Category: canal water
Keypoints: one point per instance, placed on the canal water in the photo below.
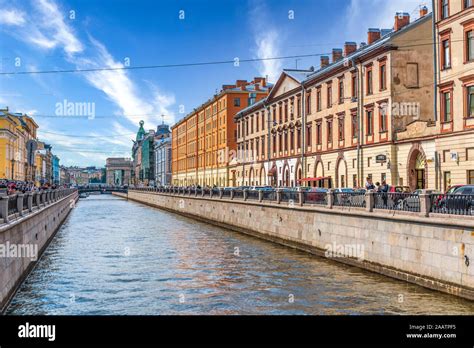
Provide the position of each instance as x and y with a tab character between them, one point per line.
113	256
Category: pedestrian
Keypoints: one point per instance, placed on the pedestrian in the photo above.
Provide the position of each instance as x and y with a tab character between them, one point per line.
368	184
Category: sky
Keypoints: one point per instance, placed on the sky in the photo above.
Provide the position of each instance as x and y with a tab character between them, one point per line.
104	107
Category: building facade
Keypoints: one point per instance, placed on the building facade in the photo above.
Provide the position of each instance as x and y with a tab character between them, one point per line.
16	130
455	92
119	171
204	142
162	148
143	157
56	170
349	120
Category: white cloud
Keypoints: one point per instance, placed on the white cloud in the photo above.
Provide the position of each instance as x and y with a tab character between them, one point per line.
267	41
12	17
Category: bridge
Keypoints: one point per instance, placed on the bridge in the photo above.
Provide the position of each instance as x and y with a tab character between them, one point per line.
102	189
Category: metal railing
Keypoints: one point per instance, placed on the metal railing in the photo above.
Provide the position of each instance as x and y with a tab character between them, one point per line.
20	204
349	199
452	204
423	203
397	201
316	198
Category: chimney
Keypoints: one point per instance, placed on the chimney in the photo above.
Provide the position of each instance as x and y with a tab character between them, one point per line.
225	87
402	19
423	11
241	83
349	47
336	54
260	81
373	35
324	61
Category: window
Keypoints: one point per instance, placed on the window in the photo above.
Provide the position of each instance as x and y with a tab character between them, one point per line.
383	118
447	180
340	130
286	111
329	101
318	100
369	81
370	122
354	125
319	133
280	114
292	140
354	180
444	9
468	3
329	130
383	76
470	46
470	101
308	104
341	91
446	106
470	177
308	135
354	85
446	54
236	101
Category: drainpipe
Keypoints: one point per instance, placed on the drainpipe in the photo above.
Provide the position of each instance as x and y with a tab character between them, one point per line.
435	64
303	132
359	123
269	144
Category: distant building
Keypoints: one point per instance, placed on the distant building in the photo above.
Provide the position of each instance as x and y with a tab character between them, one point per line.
143	157
118	171
162	151
56	170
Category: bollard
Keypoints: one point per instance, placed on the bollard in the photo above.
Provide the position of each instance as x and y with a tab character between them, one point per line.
425	203
300	196
369	201
4	207
232	193
278	194
221	192
29	197
330	195
260	195
19	203
245	194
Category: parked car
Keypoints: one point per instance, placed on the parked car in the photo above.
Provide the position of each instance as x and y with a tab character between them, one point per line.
458	198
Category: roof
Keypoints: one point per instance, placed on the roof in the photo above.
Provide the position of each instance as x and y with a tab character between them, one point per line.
385	39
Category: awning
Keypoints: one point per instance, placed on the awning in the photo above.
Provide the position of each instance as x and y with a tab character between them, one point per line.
314	179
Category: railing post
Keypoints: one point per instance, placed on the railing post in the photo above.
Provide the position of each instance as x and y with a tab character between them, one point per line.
211	193
203	192
38	199
221	192
369	200
300	196
260	195
425	203
29	197
330	195
232	193
245	193
19	203
278	194
4	207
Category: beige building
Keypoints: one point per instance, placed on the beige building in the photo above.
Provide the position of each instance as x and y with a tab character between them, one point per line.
455	58
118	171
350	119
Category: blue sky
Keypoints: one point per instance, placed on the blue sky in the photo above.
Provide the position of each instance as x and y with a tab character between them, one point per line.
43	35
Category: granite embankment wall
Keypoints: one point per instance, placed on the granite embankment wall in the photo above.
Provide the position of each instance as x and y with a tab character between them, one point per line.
24	238
434	252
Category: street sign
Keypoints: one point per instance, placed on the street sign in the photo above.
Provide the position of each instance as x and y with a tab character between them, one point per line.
381	158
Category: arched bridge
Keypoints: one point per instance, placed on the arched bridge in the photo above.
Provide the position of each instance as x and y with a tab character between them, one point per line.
102	189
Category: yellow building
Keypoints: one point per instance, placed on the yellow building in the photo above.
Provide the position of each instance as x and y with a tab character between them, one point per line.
15	132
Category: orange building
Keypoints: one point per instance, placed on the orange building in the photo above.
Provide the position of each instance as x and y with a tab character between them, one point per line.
204	142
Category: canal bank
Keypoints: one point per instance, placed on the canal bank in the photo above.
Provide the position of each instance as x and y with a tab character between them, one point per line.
117	257
433	253
31	225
